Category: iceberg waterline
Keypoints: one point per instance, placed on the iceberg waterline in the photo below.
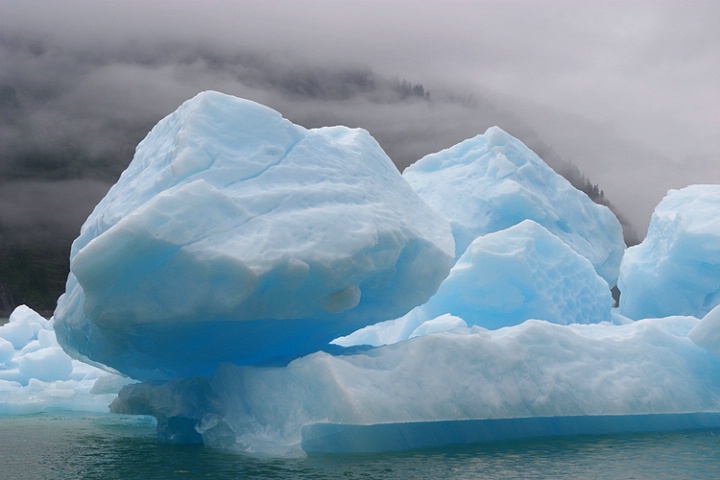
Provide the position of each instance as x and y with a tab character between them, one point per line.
236	240
533	370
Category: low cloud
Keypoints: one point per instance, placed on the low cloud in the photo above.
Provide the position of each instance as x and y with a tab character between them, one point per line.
43	211
625	90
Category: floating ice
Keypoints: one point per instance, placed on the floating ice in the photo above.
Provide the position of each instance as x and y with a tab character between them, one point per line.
236	236
37	375
504	278
676	269
536	370
237	244
493	181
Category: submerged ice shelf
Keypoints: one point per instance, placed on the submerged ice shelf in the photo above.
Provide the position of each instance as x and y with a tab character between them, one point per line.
389	437
472	295
536	369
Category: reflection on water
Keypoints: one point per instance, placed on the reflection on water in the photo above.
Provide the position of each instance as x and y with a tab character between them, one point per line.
72	446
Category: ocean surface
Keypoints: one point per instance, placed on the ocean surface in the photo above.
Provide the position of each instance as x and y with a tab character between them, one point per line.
91	446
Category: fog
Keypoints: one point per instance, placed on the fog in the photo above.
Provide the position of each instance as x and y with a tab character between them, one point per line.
627	91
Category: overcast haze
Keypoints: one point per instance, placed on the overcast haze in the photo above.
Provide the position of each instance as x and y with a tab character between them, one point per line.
627	91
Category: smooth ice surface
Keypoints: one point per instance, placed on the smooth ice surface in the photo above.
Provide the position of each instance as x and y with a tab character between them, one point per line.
504	278
384	437
535	369
37	375
676	269
493	181
237	236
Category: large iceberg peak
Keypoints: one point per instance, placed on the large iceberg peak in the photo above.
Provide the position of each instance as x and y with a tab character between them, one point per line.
237	236
211	137
493	181
676	269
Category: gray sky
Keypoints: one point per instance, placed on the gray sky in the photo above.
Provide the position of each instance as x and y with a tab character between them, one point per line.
627	90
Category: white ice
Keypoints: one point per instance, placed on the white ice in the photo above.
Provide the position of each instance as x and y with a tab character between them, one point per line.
532	370
676	269
503	279
36	375
237	245
493	181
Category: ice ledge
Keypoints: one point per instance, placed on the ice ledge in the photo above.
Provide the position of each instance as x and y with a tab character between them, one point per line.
387	437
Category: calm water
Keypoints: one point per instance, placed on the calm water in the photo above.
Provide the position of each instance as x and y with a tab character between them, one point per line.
78	446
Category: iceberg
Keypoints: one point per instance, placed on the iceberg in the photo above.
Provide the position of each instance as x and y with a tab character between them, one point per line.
237	246
237	236
36	375
536	378
493	181
676	269
503	279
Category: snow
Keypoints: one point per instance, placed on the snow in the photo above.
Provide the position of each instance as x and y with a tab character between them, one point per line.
237	245
493	181
36	375
503	279
237	236
676	269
